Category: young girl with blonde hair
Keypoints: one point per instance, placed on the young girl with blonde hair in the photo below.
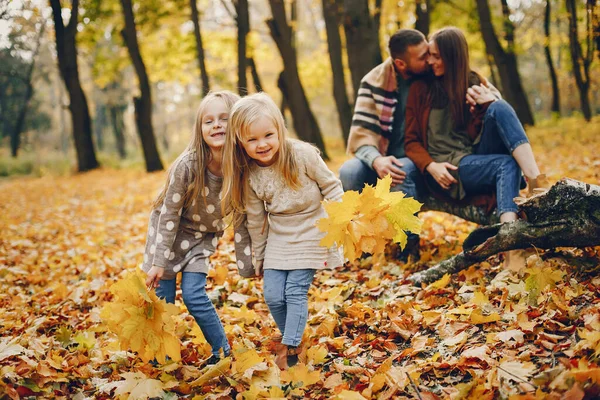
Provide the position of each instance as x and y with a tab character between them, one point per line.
186	221
278	185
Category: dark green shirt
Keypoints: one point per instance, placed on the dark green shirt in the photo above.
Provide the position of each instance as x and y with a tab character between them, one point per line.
445	144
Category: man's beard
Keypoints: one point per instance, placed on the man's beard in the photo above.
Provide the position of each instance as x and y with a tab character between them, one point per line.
425	73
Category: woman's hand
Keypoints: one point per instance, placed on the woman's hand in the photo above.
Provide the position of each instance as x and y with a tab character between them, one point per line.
258	267
154	276
440	173
479	94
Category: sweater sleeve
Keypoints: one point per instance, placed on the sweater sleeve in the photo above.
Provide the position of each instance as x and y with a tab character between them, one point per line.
476	121
243	251
317	170
367	154
258	226
170	214
414	145
365	128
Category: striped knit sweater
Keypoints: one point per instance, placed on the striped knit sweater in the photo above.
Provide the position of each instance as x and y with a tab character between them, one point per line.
374	109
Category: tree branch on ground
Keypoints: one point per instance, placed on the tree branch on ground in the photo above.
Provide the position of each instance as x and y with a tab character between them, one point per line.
568	215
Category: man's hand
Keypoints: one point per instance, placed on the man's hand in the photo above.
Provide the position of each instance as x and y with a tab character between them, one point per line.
479	94
154	276
389	165
258	267
440	173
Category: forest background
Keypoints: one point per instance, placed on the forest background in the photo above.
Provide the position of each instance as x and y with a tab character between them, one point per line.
112	90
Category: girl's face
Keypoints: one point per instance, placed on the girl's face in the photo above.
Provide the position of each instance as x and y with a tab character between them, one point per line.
214	123
435	60
261	142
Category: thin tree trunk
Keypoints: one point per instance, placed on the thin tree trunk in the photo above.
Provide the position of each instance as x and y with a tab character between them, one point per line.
493	74
99	124
116	118
423	16
582	78
506	61
15	138
362	40
555	94
67	63
305	124
592	4
254	74
331	13
143	104
199	48
243	25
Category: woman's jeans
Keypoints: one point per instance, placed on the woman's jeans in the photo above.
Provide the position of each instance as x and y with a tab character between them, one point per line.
286	295
193	288
491	166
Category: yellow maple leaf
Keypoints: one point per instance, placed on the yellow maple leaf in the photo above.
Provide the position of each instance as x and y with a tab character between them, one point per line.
142	322
317	354
440	283
365	222
219	274
477	317
300	376
245	359
541	278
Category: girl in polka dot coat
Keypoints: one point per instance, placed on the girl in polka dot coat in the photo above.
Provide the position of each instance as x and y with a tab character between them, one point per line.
186	221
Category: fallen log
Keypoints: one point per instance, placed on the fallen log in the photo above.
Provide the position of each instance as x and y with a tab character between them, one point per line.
568	215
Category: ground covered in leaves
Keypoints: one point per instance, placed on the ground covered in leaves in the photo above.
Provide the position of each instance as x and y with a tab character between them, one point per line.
483	333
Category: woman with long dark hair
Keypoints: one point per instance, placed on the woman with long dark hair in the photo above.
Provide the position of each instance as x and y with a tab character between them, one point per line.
464	139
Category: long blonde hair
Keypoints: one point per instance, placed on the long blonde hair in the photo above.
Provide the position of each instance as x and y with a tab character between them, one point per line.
199	146
236	162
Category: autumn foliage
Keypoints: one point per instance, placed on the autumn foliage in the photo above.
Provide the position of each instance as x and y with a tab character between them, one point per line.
481	334
366	222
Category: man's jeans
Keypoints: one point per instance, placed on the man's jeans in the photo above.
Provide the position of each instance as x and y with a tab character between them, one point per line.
354	174
286	295
193	288
491	166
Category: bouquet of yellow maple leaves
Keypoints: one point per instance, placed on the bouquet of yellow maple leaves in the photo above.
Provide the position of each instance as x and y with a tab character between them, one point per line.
142	321
365	222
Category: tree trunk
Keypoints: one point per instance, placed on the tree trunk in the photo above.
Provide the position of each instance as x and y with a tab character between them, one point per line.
568	215
254	74
555	94
423	16
507	63
15	138
99	124
582	78
67	64
331	13
493	77
362	40
243	25
305	124
116	119
199	48
143	104
595	24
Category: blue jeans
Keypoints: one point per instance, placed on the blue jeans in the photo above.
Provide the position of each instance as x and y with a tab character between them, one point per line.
354	174
286	295
491	167
193	288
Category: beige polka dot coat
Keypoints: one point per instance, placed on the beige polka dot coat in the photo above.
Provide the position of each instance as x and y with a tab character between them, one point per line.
183	238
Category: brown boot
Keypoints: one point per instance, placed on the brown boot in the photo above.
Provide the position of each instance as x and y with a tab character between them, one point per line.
537	185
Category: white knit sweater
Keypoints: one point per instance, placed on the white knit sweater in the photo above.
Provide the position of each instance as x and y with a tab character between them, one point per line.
281	220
